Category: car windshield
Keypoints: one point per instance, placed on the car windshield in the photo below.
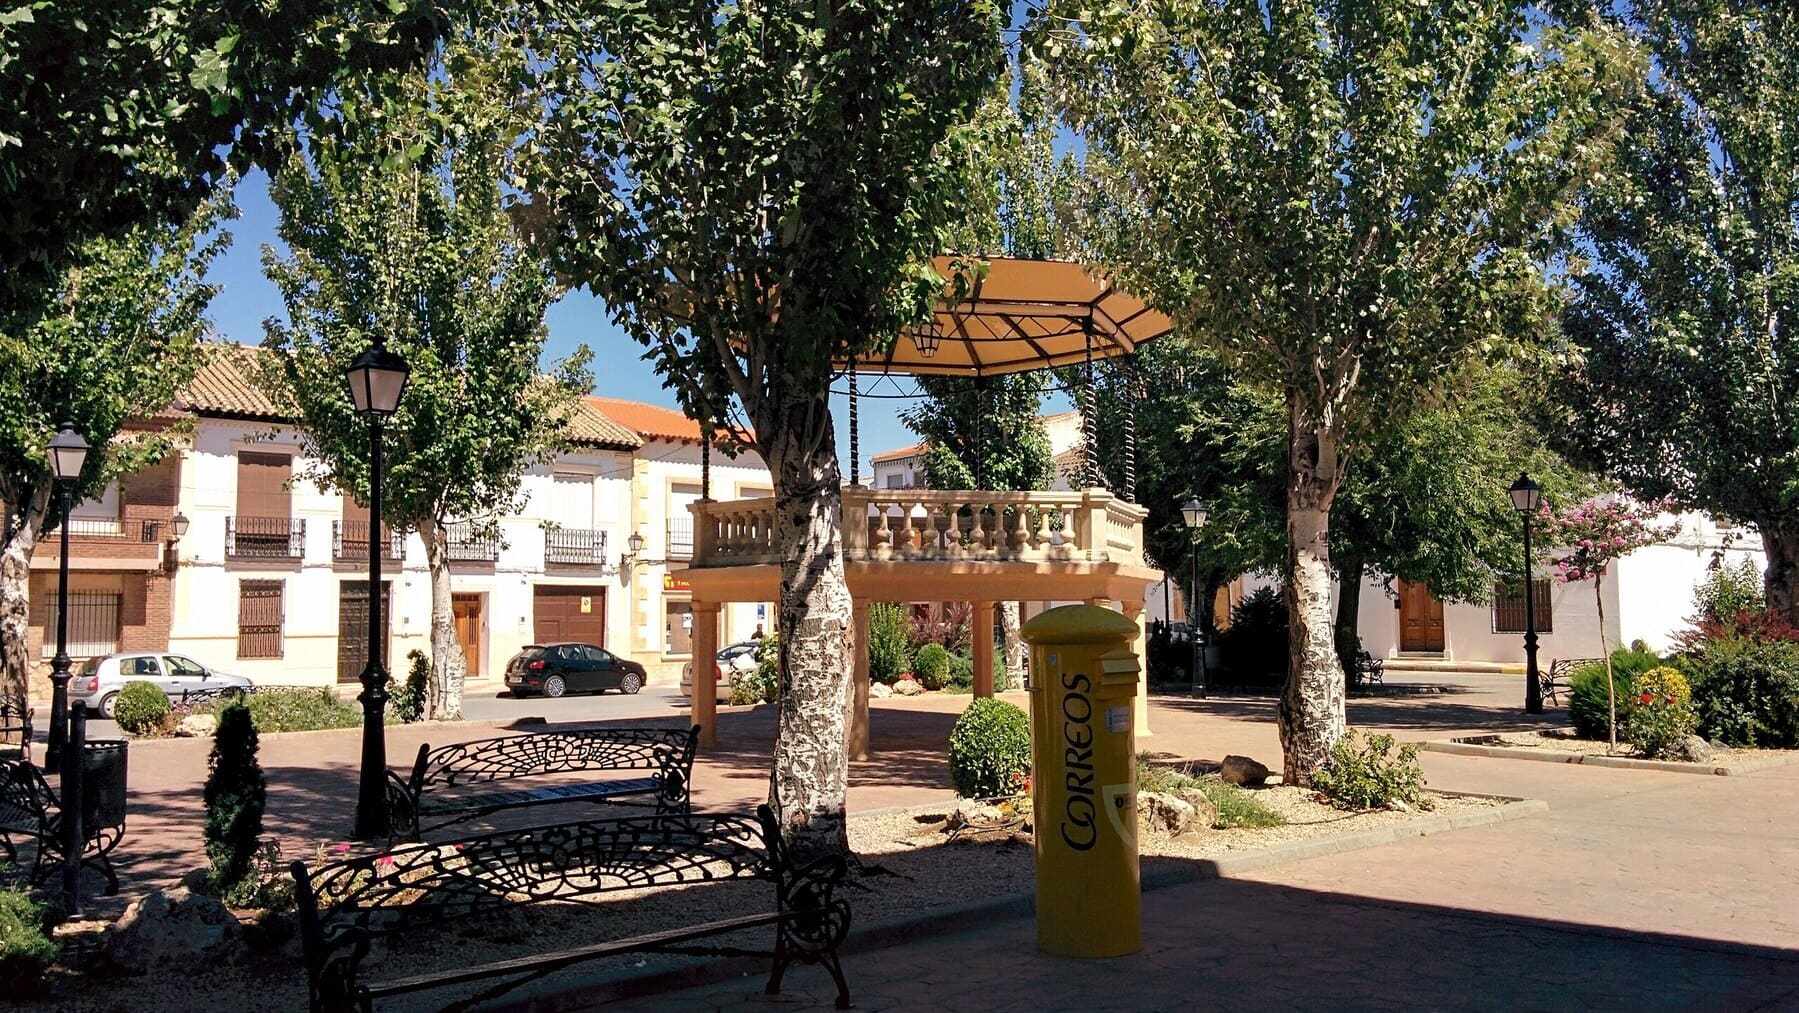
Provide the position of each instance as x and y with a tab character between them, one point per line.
90	666
184	666
531	653
735	651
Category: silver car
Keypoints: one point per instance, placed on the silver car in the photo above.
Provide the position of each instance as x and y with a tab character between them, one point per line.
734	659
98	681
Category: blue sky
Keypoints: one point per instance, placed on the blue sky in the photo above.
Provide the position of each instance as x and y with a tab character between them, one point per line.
247	298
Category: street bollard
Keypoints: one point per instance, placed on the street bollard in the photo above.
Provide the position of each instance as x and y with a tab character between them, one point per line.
1084	786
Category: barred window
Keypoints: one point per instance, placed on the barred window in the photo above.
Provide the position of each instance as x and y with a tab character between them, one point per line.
1508	607
259	615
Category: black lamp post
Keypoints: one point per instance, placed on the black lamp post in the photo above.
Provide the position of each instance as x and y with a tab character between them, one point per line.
68	454
1193	512
376	378
1526	495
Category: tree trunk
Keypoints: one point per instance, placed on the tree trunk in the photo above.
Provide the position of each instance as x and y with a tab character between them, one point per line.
1349	605
1781	581
443	693
1311	718
1611	688
809	782
15	598
1014	644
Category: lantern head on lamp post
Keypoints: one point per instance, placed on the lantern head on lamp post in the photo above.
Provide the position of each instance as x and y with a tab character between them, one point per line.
68	455
376	379
1193	514
1526	497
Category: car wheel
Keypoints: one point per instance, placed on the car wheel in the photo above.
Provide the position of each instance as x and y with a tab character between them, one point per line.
631	683
106	705
554	686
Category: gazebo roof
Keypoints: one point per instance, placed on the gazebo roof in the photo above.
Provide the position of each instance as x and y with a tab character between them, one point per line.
1022	315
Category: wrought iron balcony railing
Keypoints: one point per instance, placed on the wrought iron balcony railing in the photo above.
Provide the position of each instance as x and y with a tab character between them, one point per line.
265	537
350	541
472	544
574	547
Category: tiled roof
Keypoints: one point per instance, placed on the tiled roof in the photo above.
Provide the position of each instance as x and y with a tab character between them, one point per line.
593	427
1070	462
652	422
900	454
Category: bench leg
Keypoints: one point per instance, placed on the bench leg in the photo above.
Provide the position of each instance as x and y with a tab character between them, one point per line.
843	987
780	969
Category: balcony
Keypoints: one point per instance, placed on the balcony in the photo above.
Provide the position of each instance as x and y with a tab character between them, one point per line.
472	544
97	543
278	538
350	542
680	537
575	547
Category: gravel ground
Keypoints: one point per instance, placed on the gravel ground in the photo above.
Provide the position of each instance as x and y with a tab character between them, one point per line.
910	865
1565	742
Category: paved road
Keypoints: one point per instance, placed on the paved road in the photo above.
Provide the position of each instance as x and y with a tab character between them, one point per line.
485	703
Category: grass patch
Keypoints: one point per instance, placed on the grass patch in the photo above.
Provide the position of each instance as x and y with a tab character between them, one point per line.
1237	809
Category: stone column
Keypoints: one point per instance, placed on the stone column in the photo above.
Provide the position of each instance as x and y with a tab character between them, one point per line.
859	689
983	647
1133	610
705	658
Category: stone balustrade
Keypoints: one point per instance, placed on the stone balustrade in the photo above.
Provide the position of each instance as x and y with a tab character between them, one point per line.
937	525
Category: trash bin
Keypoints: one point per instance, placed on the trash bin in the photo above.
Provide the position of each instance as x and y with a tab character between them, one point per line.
103	785
1084	678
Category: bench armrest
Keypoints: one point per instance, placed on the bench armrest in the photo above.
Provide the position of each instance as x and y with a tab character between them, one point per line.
402	808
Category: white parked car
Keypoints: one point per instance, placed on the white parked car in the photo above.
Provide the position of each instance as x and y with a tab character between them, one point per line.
738	657
98	681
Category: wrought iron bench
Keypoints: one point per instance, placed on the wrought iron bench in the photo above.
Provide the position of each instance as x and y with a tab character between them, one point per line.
16	720
429	798
1550	684
346	906
29	808
1368	671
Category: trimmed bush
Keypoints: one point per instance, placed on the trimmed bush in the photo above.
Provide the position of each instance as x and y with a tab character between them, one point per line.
1746	691
961	674
1254	647
889	642
1360	776
931	666
141	708
235	797
989	749
1661	713
26	952
301	709
408	699
1587	703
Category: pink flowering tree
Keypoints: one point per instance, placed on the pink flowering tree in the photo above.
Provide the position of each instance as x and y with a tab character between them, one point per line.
1590	536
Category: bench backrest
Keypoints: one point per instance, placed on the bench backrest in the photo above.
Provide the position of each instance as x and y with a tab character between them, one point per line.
499	759
350	902
25	797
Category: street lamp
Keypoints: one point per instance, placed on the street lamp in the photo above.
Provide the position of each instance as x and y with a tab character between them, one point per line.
376	379
1526	495
68	454
1193	512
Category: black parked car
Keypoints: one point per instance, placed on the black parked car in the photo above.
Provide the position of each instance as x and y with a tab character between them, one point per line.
556	669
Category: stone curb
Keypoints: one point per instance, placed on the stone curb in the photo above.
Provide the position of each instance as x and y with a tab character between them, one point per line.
1747	766
613	986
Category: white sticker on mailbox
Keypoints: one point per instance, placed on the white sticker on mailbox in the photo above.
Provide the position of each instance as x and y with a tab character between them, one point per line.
1118	719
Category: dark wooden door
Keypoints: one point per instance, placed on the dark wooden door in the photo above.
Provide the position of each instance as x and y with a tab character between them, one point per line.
1420	619
353	626
467	610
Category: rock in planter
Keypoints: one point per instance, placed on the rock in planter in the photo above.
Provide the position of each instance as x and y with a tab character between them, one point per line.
1205	811
1164	814
972	815
906	687
1698	750
197	726
880	691
1242	770
173	929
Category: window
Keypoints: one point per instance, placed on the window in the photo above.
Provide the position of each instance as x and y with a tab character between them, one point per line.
140	668
259	618
183	668
93	624
1508	607
678	624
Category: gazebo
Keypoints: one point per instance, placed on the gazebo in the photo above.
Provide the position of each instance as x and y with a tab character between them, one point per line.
933	545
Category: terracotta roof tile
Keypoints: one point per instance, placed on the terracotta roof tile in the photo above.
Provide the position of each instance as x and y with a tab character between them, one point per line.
647	420
898	455
594	428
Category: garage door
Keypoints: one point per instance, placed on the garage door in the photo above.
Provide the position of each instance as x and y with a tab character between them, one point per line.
570	613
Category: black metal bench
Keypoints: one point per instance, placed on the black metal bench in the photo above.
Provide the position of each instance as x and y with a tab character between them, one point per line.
30	809
1550	684
431	792
16	720
1368	670
346	906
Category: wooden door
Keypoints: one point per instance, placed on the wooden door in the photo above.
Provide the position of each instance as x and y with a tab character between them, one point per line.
569	614
467	610
1420	619
353	626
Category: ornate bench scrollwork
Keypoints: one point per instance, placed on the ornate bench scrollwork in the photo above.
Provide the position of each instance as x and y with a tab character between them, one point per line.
29	808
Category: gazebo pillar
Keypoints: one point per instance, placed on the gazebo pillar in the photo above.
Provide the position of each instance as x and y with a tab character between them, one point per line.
859	687
983	647
705	661
1133	610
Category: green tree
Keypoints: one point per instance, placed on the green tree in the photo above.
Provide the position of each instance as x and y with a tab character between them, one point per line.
118	116
1687	322
1345	202
757	190
398	230
117	345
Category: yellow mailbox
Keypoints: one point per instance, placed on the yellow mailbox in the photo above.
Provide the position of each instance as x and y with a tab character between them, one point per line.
1083	784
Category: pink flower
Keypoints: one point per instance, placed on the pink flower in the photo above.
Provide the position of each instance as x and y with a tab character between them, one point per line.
1586	543
385	861
340	849
1618	543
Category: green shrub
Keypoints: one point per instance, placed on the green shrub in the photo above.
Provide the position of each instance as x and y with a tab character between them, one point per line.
235	798
26	951
1587	702
300	709
1360	776
889	642
141	708
1661	713
989	749
1255	644
408	699
931	666
1746	691
1729	591
961	674
1236	807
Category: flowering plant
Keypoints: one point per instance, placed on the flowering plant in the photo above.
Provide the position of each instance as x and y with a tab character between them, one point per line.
1661	720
